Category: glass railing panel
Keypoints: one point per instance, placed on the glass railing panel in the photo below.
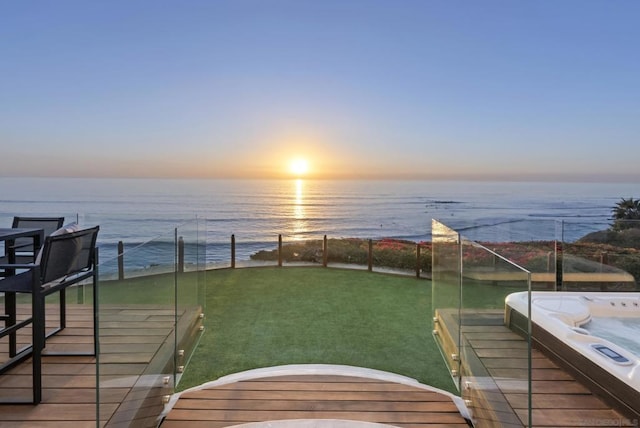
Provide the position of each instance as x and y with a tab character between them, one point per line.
536	256
129	230
495	369
604	260
190	292
134	243
504	229
136	366
530	243
446	283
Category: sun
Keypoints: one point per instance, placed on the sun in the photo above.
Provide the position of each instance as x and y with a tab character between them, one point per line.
299	167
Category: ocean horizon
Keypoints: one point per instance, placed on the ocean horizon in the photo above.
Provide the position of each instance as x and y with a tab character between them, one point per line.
136	211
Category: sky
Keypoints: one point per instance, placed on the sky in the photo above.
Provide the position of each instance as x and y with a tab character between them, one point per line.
398	89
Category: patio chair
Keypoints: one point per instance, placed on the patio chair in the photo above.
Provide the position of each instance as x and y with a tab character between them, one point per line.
23	247
66	259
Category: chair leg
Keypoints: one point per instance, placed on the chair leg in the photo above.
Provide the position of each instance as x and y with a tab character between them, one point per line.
63	308
38	345
94	283
10	312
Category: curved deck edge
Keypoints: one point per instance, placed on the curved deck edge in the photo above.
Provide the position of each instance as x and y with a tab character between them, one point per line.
318	369
313	423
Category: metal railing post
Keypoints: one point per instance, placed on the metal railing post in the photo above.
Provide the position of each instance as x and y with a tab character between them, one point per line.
181	254
325	252
120	260
233	251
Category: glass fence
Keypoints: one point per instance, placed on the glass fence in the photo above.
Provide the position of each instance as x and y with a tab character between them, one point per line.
606	260
489	363
150	318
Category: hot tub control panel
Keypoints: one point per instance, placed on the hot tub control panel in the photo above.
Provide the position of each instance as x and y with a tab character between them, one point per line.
611	354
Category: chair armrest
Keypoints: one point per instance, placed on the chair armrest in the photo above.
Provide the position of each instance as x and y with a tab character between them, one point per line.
18	246
17	265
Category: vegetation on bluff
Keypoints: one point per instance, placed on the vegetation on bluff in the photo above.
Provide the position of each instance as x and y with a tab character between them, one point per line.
614	249
386	253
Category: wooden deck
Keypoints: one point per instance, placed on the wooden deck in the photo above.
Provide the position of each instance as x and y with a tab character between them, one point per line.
317	397
136	343
495	371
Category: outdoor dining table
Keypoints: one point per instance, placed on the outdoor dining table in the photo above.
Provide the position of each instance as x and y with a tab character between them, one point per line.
8	236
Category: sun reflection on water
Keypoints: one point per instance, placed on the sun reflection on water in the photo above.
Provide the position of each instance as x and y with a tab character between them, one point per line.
299	225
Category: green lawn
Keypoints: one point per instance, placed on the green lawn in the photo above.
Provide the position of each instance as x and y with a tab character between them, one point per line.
263	317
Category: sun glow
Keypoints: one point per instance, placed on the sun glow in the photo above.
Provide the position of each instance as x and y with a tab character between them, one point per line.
299	167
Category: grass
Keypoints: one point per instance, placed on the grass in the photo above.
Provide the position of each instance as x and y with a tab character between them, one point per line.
264	317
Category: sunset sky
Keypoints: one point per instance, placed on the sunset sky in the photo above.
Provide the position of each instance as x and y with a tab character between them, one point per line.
540	90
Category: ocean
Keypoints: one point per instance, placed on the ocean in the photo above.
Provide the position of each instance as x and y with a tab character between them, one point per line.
257	211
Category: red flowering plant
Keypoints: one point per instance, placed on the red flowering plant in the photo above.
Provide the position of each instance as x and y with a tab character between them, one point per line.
401	254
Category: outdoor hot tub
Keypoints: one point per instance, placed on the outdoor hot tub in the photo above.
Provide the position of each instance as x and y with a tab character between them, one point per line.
593	335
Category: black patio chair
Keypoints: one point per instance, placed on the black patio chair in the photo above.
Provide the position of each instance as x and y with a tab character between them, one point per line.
23	247
67	259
